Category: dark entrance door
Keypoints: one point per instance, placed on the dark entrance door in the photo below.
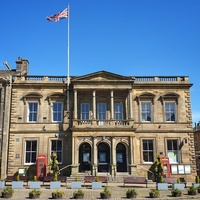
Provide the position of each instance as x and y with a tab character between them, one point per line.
103	157
121	158
85	157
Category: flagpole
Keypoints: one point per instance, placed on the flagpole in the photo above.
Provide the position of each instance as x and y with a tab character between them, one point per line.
68	61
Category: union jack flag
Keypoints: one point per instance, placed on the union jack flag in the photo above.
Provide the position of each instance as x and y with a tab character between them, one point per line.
61	15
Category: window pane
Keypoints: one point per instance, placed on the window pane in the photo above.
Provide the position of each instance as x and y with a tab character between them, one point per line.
101	109
85	109
32	111
170	111
56	146
57	111
31	151
118	111
148	151
146	111
172	148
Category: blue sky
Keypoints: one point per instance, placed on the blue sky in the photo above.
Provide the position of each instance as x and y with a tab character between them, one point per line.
129	37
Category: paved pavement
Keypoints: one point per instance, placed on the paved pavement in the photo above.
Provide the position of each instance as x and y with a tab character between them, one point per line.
118	191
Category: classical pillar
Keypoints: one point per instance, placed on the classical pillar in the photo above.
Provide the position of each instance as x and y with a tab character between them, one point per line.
94	103
130	105
94	157
133	167
75	164
75	104
112	104
113	157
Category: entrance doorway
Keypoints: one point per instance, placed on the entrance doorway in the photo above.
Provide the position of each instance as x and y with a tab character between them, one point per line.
103	157
121	158
85	157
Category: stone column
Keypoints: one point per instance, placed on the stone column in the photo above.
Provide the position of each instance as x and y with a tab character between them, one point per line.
75	104
112	104
75	154
130	105
94	156
94	104
113	157
133	167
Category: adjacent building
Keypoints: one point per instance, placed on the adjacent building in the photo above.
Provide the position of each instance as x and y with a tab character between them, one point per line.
101	123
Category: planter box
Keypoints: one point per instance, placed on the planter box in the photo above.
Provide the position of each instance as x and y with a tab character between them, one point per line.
76	185
196	185
2	184
54	184
17	184
35	185
162	186
96	185
179	186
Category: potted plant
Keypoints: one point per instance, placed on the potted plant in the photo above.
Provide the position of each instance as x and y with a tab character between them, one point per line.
131	193
58	194
198	189
192	190
76	184
161	185
178	185
106	194
154	193
7	192
54	168
17	184
96	184
79	194
2	183
35	184
35	194
176	192
197	182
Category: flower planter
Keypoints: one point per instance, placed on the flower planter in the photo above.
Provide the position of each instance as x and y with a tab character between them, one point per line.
76	185
105	196
54	184
130	196
35	185
174	194
17	184
179	186
78	197
196	185
6	195
56	196
162	186
192	192
96	185
2	184
32	196
152	195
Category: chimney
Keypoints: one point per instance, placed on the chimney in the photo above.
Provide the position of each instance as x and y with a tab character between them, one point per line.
22	66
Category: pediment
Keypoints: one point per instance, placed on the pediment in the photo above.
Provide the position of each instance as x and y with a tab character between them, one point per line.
101	76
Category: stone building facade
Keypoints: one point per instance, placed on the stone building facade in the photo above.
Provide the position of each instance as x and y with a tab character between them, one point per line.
103	123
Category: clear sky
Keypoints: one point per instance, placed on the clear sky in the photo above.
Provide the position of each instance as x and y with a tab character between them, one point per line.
129	37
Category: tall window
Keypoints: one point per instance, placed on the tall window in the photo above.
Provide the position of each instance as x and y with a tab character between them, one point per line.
101	111
118	111
57	111
170	111
146	111
172	150
85	109
31	151
32	111
148	151
56	146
